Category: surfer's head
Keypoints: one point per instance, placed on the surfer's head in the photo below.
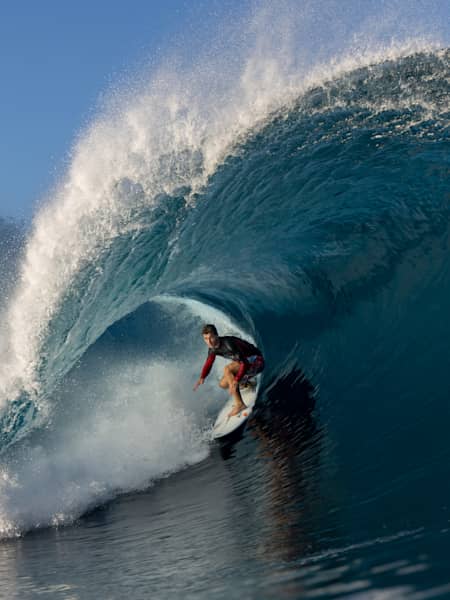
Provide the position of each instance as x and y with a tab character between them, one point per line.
210	335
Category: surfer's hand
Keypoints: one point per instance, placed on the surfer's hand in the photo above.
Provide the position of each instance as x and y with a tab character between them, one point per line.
199	382
233	386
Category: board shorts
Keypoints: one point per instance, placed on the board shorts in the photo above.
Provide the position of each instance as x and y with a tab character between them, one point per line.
256	365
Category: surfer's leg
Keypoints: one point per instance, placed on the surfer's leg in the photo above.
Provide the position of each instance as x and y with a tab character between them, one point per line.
223	383
228	378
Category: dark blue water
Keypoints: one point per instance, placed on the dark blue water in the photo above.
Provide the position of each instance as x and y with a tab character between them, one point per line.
324	236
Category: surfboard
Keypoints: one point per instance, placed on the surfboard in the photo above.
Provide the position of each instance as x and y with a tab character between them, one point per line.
224	424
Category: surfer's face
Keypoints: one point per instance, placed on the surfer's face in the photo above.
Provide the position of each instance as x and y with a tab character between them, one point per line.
211	340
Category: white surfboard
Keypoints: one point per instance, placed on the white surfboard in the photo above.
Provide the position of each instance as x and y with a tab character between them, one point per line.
225	424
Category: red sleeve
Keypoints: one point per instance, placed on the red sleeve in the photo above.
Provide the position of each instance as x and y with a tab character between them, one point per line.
207	366
243	367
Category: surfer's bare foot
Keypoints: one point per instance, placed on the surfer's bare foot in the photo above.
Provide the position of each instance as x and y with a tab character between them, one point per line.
237	409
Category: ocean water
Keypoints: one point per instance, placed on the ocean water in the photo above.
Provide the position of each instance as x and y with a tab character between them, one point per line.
308	210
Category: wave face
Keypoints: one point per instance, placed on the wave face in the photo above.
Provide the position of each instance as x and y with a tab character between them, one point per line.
315	224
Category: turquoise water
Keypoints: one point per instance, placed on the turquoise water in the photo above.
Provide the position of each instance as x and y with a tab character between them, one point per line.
322	234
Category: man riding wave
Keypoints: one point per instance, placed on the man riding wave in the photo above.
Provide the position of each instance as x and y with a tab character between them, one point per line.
247	361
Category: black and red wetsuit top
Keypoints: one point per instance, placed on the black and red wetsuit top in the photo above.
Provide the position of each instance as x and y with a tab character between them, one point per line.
235	349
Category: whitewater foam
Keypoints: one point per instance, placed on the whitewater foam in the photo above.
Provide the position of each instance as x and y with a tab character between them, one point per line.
135	423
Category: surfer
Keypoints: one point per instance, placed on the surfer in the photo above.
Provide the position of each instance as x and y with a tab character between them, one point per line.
247	361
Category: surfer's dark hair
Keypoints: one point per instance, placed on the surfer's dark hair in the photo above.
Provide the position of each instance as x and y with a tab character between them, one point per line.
209	329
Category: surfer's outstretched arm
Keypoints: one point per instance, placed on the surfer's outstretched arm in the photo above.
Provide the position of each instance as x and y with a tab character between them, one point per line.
199	382
206	369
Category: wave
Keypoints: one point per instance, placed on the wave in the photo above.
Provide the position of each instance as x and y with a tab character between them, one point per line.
311	217
12	239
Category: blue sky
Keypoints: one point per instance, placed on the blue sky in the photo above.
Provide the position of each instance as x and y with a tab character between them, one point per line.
56	59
